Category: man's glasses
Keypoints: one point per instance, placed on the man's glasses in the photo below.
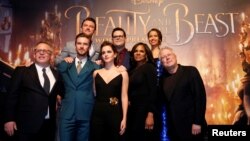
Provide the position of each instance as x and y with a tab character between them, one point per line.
118	36
43	51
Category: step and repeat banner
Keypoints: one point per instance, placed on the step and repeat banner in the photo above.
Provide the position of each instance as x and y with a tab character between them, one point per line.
209	34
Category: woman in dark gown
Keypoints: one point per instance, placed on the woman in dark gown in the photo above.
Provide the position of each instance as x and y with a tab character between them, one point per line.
142	96
155	40
109	115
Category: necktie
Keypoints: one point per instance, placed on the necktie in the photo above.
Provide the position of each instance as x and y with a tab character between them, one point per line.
79	66
46	85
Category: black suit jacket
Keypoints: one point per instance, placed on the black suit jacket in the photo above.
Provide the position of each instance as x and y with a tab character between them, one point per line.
26	102
186	101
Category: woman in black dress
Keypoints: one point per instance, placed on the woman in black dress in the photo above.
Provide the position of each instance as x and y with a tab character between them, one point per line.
142	96
109	115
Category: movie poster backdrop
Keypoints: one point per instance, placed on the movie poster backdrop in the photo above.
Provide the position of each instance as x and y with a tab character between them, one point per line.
208	34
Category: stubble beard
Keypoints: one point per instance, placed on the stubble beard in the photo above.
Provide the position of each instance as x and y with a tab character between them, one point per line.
82	54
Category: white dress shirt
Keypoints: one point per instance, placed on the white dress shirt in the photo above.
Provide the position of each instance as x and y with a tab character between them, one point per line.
51	77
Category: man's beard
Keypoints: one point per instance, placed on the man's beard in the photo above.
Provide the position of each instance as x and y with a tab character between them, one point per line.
119	47
83	54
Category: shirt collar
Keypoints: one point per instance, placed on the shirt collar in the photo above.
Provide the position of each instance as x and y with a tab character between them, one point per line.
84	60
39	68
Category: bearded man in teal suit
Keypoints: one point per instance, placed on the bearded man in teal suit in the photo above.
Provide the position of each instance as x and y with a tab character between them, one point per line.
77	103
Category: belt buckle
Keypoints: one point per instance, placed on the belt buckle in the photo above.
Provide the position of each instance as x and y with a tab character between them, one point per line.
113	101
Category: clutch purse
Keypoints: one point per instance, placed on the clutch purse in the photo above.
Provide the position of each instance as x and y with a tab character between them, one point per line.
113	101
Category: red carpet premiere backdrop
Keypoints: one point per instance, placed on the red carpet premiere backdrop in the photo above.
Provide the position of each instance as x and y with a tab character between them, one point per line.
208	34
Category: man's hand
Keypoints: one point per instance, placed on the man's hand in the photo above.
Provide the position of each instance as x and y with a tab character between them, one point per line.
99	62
196	129
58	102
10	127
121	68
68	59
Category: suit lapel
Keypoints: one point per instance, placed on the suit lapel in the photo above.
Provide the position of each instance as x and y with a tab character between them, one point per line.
76	79
84	72
55	74
178	74
85	68
34	75
72	72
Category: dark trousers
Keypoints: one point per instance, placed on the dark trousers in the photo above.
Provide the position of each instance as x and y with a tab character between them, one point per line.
46	133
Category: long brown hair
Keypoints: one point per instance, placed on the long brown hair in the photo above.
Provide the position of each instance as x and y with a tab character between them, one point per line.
107	43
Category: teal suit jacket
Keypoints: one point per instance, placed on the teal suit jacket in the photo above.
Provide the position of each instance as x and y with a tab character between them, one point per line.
78	99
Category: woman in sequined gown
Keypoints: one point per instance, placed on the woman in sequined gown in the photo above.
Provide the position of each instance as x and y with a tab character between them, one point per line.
109	115
155	39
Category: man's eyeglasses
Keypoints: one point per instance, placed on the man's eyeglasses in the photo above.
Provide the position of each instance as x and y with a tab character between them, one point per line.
118	36
43	51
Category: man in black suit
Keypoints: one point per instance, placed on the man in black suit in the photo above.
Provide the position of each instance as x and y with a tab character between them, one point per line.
185	97
30	102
